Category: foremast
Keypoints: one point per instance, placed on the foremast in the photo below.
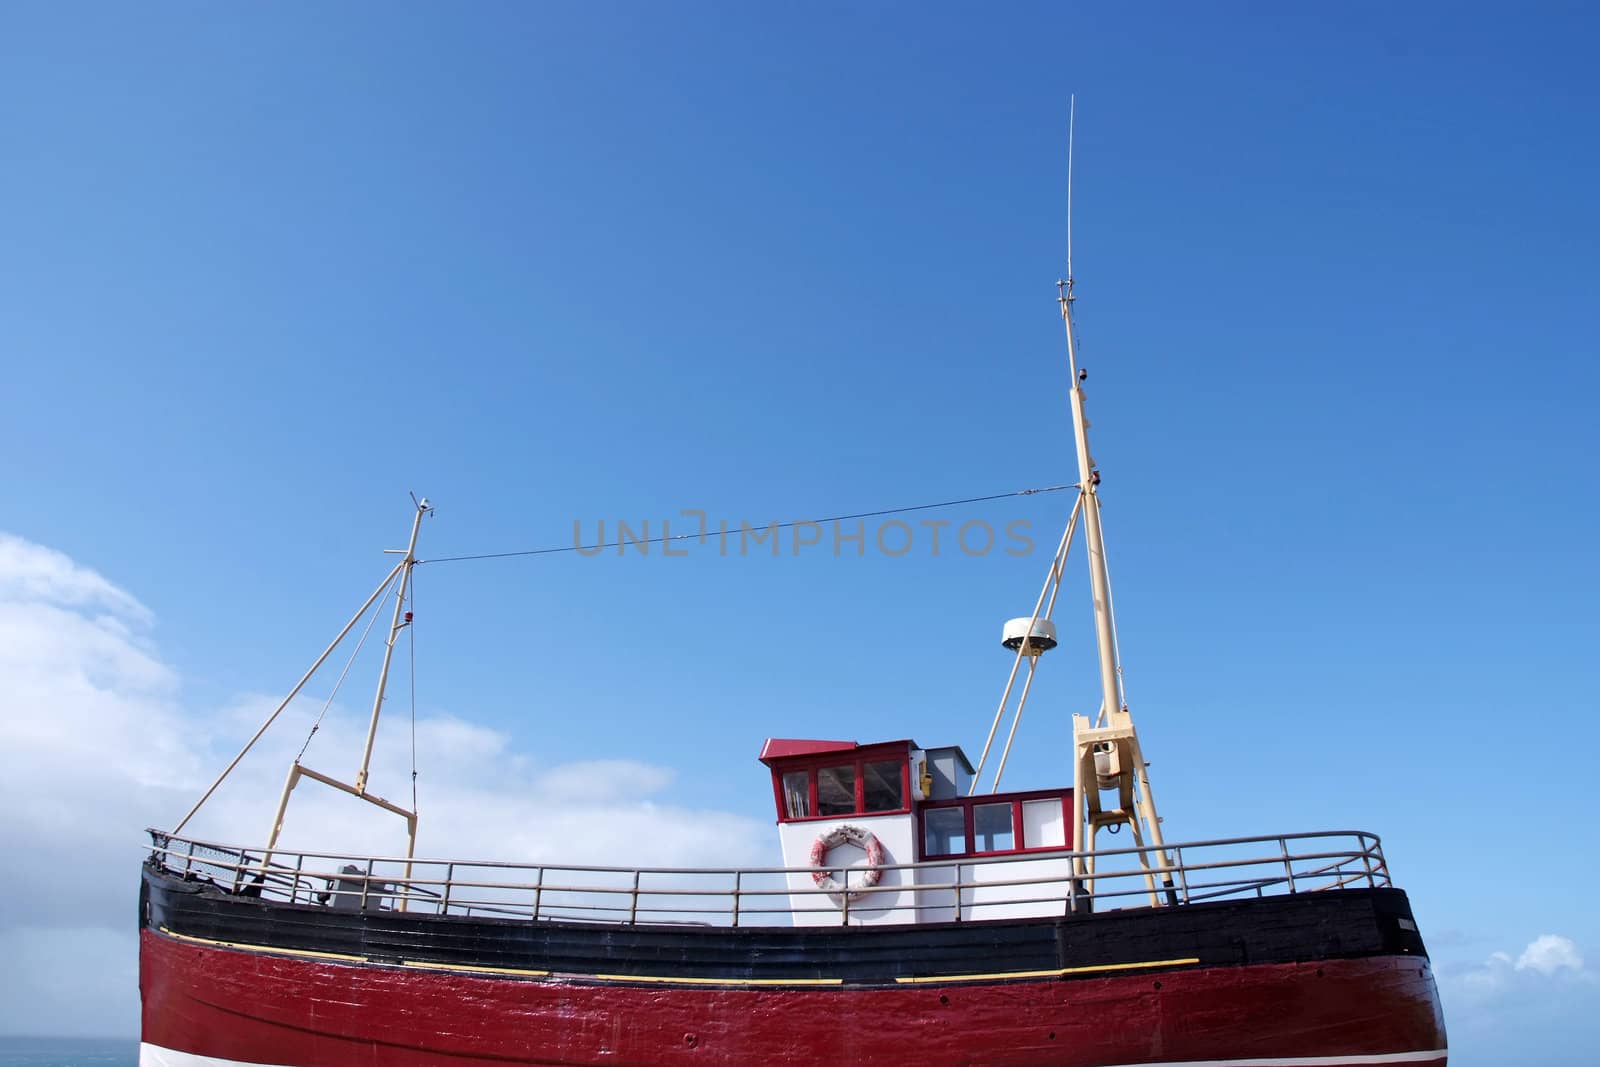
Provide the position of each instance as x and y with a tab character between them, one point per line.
396	583
401	620
1106	752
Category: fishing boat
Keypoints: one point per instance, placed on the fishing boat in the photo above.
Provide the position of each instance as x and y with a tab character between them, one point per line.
917	919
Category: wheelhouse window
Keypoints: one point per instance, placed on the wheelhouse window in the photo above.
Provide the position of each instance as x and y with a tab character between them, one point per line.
944	832
836	790
797	794
991	828
883	787
833	787
996	825
1044	824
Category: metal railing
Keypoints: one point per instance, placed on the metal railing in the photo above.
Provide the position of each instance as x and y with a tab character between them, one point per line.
1034	883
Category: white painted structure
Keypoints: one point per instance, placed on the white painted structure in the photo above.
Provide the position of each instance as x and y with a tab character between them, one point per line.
912	802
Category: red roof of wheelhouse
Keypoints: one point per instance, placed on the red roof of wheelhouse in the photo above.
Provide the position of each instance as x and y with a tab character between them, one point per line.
777	748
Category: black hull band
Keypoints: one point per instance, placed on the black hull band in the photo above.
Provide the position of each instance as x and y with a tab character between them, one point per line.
1298	928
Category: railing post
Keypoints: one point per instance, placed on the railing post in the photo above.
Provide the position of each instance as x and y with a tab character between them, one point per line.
294	886
1288	865
449	877
366	883
737	875
238	872
538	891
958	892
633	907
188	863
1183	872
1366	860
844	898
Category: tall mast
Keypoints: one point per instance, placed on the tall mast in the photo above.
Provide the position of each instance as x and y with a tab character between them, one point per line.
1106	752
400	620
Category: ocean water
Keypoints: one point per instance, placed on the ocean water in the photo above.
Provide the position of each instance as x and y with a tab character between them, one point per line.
67	1052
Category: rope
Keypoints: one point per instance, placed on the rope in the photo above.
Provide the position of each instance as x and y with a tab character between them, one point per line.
773	525
329	702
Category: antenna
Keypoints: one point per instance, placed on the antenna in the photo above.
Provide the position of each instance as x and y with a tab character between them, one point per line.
1072	121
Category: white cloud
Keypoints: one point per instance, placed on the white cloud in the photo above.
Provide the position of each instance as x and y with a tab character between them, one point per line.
1549	964
1550	953
1491	1007
34	574
608	780
96	744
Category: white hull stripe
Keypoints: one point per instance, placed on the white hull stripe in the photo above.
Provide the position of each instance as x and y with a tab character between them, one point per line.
1436	1056
156	1056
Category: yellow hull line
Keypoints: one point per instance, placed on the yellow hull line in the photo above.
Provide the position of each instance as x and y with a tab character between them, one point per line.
997	976
679	980
476	969
266	948
1056	973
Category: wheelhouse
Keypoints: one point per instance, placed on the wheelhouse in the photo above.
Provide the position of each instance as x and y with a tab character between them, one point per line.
845	808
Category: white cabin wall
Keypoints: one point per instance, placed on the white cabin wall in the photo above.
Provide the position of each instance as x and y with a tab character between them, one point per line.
994	901
897	834
936	905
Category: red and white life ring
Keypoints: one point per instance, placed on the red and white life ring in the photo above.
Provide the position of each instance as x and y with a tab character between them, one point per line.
841	835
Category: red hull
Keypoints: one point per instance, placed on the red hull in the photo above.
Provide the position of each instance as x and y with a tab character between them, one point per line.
263	1008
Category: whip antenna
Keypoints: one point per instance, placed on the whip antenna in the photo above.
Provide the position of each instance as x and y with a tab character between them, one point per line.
1072	119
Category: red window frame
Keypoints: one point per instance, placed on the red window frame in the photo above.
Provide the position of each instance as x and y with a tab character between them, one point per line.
859	758
1016	801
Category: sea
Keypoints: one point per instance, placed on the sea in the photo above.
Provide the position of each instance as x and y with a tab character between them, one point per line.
68	1052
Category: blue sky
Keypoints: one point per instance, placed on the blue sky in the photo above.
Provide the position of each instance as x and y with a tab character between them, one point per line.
262	271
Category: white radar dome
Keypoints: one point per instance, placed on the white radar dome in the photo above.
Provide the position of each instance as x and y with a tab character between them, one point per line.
1041	639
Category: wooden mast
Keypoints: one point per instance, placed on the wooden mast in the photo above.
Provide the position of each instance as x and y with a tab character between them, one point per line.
1107	755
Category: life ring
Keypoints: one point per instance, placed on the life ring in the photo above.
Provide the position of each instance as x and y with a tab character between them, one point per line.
841	835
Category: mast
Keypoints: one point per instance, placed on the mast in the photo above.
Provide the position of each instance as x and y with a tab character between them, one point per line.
297	770
1106	751
400	620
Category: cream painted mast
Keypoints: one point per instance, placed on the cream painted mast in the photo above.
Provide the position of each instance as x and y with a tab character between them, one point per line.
400	620
1106	752
297	770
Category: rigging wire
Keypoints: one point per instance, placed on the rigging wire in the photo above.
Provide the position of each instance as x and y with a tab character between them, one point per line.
1057	567
772	526
1057	562
326	704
